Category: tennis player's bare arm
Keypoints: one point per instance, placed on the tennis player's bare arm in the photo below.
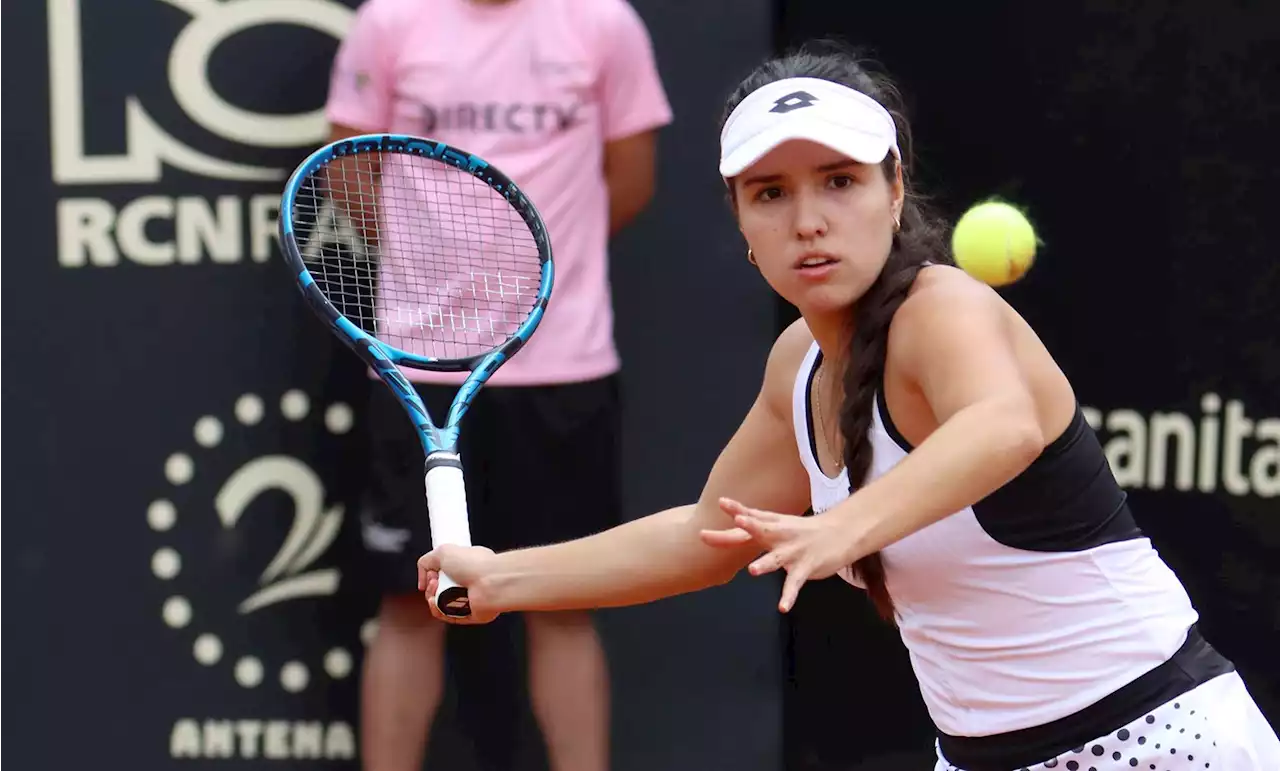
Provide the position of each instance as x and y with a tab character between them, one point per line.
974	390
660	555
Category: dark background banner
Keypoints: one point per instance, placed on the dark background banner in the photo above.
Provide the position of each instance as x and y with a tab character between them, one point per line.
1140	138
185	439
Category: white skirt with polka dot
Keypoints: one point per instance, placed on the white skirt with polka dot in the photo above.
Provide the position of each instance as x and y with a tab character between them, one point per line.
1213	727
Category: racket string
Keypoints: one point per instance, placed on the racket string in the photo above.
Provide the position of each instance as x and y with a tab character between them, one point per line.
422	255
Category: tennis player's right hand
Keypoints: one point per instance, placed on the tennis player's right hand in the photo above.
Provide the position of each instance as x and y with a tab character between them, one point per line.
464	564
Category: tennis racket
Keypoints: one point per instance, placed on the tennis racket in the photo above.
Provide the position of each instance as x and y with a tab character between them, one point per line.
420	255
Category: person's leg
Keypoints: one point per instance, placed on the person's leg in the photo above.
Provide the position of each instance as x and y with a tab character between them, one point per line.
560	479
569	689
403	674
403	681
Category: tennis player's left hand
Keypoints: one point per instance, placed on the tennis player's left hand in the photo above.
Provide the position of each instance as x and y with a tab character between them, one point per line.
805	547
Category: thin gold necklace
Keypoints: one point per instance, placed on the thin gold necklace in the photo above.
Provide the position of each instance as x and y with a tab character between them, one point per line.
827	437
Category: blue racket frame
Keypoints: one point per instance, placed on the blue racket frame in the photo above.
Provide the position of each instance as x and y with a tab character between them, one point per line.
381	357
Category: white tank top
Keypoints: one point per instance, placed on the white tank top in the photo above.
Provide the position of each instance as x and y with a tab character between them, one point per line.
1004	638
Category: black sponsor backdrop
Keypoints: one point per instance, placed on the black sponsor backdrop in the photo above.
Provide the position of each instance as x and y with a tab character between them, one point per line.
170	423
1139	136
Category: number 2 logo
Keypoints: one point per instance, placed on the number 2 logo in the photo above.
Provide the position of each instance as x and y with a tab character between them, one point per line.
310	535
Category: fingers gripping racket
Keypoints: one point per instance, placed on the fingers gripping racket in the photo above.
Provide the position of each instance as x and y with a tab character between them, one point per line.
420	255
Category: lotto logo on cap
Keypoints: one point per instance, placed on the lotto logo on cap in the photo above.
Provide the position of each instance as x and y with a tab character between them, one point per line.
811	109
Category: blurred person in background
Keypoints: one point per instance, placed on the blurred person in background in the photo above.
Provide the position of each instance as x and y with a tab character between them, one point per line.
565	98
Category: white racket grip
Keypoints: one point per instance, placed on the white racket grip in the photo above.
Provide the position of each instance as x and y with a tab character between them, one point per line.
447	508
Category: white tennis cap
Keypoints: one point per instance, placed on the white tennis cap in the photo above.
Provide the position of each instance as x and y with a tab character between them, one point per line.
814	109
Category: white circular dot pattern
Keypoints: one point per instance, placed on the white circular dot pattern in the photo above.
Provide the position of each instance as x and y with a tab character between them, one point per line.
338	419
176	612
161	515
179	468
165	563
337	662
208	649
249	671
294	676
249	409
208	431
295	405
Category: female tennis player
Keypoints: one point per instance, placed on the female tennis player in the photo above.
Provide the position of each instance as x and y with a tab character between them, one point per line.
1044	629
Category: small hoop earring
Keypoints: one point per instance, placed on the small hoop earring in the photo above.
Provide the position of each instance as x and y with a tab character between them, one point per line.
897	223
751	258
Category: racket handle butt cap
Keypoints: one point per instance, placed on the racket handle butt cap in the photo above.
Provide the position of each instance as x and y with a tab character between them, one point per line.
451	599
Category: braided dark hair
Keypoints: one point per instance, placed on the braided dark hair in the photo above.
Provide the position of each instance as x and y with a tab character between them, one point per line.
920	240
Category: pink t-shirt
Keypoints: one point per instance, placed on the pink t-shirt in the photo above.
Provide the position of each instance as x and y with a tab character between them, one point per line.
536	88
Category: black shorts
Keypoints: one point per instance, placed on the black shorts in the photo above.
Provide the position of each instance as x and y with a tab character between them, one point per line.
542	465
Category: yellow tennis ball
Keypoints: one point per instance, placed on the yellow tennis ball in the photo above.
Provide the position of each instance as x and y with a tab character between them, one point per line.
994	243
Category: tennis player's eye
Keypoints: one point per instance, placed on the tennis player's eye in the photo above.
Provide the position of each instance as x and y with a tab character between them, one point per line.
769	194
841	181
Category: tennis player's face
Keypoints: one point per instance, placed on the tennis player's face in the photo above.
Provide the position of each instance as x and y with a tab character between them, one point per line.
819	224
